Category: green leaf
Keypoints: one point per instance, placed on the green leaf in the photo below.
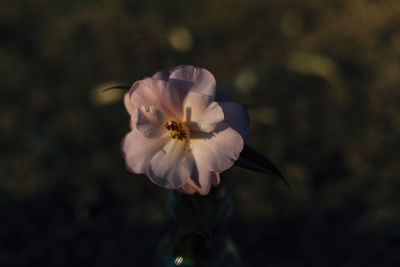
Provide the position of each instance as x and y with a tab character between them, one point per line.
202	214
253	160
122	87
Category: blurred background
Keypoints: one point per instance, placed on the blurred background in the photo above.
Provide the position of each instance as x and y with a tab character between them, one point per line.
320	80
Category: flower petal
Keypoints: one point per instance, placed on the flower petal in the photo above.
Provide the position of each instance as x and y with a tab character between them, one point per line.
172	166
155	92
237	118
203	81
200	113
149	121
217	151
138	150
162	75
215	179
202	179
187	189
128	104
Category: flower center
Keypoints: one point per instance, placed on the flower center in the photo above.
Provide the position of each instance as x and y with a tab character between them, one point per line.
177	130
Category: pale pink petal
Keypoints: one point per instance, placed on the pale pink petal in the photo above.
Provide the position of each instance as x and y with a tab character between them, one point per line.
200	113
217	151
202	190
155	92
149	121
203	81
134	117
182	87
187	189
132	122
216	179
138	150
237	118
223	96
210	117
162	75
202	179
172	166
127	102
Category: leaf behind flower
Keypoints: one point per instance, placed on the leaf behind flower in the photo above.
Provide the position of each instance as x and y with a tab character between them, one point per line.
121	87
253	160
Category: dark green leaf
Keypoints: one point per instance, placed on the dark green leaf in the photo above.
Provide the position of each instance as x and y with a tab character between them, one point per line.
202	214
253	160
122	87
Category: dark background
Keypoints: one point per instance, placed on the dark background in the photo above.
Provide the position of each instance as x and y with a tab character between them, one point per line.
320	80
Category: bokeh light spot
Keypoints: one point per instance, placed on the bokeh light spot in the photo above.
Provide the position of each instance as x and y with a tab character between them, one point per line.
180	39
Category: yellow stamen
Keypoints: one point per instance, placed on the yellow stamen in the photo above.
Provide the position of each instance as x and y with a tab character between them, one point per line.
177	130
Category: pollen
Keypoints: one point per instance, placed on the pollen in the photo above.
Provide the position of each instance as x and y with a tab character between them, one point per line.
177	130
